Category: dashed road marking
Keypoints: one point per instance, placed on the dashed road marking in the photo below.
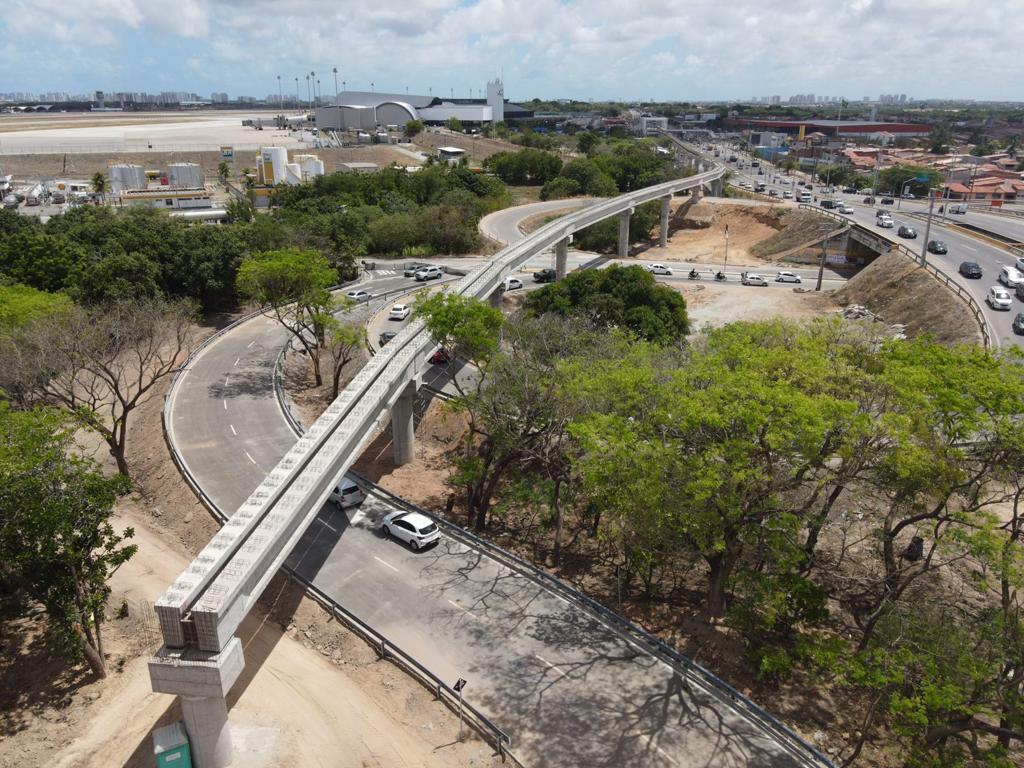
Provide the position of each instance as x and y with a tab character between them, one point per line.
225	403
237	359
549	665
233	430
359	515
250	343
250	457
660	751
327	525
226	380
465	610
385	562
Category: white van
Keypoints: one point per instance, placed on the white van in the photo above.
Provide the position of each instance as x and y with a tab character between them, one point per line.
804	197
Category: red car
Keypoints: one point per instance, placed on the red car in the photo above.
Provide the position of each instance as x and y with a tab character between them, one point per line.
441	357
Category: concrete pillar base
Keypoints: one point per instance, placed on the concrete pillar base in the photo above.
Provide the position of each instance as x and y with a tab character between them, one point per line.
562	257
624	233
202	679
403	433
663	231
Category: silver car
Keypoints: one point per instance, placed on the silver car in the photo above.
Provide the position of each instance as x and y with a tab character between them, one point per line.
999	298
787	277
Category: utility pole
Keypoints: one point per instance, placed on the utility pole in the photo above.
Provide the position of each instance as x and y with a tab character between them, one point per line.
312	80
298	102
309	93
928	226
280	95
725	261
821	267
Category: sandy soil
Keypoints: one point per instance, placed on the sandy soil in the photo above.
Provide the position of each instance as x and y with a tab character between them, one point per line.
716	304
700	235
312	694
477	147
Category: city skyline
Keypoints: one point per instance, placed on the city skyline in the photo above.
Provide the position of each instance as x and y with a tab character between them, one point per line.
542	48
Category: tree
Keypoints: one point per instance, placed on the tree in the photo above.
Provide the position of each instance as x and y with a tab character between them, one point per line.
343	340
413	128
453	124
57	545
223	170
939	139
99	183
897	177
291	285
98	363
21	305
587	141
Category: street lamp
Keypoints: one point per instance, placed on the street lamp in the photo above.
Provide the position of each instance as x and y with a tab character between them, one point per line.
280	95
298	101
928	226
335	71
309	92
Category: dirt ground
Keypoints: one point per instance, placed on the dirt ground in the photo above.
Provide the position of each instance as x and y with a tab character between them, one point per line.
716	304
312	693
477	147
700	235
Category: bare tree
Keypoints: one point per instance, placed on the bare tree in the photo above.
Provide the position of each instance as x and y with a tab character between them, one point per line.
99	363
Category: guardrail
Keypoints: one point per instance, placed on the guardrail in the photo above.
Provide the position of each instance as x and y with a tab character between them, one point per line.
949	282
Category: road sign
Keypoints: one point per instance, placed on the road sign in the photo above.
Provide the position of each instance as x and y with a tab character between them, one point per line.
227	153
922	177
459	685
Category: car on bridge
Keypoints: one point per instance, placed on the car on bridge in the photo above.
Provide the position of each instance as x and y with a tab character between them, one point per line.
885	222
428	273
937	246
658	269
414	528
752	278
999	298
359	295
787	277
347	493
399	312
970	269
908	232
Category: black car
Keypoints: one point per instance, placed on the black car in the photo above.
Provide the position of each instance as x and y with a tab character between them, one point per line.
1020	291
386	337
888	200
1018	324
970	269
937	246
908	232
869	200
544	276
848	190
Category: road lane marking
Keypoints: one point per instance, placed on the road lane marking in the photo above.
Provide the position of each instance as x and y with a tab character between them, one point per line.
225	403
385	562
327	525
250	343
233	430
650	740
237	359
969	248
549	665
352	575
250	457
465	610
359	515
226	380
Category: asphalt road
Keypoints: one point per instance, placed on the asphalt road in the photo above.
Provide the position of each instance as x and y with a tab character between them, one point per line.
962	245
569	690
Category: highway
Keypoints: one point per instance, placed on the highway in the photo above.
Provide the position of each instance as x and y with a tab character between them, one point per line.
569	689
962	246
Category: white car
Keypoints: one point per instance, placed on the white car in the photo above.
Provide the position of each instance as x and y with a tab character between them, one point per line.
1019	265
999	298
658	269
415	529
885	222
788	194
513	284
399	312
752	278
347	493
429	273
358	295
844	208
787	277
1011	277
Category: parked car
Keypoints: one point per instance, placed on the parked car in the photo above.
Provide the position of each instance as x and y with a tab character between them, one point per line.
885	222
428	273
359	295
787	277
1018	324
31	201
888	201
937	246
1010	277
347	494
658	269
752	278
57	198
387	336
415	529
999	298
412	269
970	269
399	312
513	284
544	276
440	357
908	232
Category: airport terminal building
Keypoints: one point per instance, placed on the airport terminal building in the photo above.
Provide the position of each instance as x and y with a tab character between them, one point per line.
362	110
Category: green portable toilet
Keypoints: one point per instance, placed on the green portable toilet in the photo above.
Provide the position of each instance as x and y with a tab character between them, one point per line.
170	747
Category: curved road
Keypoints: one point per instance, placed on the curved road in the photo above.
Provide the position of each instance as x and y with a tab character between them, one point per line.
569	689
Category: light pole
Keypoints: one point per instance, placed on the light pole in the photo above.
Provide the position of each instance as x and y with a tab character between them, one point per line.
312	79
319	93
928	226
335	71
280	95
298	101
309	93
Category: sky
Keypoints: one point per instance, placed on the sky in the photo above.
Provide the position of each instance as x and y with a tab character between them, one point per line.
585	49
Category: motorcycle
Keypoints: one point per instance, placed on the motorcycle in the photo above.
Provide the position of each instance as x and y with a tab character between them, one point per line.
719	275
694	275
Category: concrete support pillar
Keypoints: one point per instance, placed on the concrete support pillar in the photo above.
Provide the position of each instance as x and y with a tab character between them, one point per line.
624	233
562	257
495	298
716	188
403	433
663	232
209	733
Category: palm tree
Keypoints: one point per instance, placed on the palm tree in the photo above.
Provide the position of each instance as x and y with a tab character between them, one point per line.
223	171
99	183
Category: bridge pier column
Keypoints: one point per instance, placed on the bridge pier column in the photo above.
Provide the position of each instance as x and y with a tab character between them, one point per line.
495	298
562	257
663	232
624	233
202	680
716	188
403	433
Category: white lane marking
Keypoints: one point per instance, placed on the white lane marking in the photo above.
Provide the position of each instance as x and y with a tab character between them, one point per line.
465	610
327	525
237	359
226	379
233	430
250	343
352	575
225	403
969	248
650	740
385	562
549	664
359	515
250	457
